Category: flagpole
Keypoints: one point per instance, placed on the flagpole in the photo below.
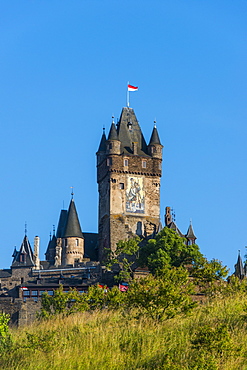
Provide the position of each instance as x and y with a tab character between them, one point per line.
128	96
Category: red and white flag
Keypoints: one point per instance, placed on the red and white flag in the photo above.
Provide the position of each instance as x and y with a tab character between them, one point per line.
132	88
123	288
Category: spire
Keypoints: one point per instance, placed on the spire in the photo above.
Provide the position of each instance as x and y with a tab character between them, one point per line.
113	132
61	223
129	132
24	256
72	228
190	233
239	268
155	136
102	145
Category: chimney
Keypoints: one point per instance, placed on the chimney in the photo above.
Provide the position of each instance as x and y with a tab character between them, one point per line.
134	148
36	253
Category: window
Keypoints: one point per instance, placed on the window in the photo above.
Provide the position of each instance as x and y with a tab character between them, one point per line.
34	292
121	185
109	161
144	164
26	293
76	242
50	292
126	162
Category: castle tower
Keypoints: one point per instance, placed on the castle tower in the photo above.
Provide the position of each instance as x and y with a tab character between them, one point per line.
128	176
72	240
67	247
190	236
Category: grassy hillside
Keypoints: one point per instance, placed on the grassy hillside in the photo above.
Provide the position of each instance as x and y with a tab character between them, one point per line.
213	336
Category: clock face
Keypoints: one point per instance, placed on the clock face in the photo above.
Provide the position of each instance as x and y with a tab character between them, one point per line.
135	195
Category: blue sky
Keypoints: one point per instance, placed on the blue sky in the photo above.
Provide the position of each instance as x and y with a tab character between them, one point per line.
64	67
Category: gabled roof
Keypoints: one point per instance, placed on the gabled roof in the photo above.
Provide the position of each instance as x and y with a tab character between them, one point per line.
113	132
190	233
129	131
72	227
102	145
155	137
26	251
173	226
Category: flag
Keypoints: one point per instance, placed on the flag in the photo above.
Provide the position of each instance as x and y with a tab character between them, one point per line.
132	88
103	287
123	288
24	288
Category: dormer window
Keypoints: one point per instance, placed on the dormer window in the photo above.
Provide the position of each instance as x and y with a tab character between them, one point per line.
129	126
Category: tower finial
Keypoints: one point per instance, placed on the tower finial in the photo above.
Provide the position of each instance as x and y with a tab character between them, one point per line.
112	118
155	123
72	192
53	230
239	252
26	228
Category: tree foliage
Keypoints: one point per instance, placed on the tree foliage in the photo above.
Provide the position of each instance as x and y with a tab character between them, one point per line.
168	249
125	256
162	296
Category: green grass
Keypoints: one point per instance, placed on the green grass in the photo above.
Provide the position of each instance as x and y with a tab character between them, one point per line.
213	336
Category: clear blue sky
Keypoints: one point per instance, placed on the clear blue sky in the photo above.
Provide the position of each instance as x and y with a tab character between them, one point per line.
64	67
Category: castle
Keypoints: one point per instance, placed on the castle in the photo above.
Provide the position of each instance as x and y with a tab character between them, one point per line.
128	175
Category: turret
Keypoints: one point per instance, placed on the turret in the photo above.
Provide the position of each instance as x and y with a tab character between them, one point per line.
154	146
190	236
239	268
72	238
101	153
23	257
113	144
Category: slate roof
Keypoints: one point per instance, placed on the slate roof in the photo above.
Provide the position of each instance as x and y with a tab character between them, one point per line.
239	268
61	223
51	250
155	137
72	227
26	251
127	136
5	273
102	145
113	132
173	226
190	233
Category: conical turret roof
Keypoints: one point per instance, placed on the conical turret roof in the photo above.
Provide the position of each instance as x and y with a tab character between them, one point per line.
155	137
72	228
102	145
113	132
62	223
239	268
190	233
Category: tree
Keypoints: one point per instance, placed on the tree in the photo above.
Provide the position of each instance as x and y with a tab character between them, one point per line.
162	296
168	249
125	256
